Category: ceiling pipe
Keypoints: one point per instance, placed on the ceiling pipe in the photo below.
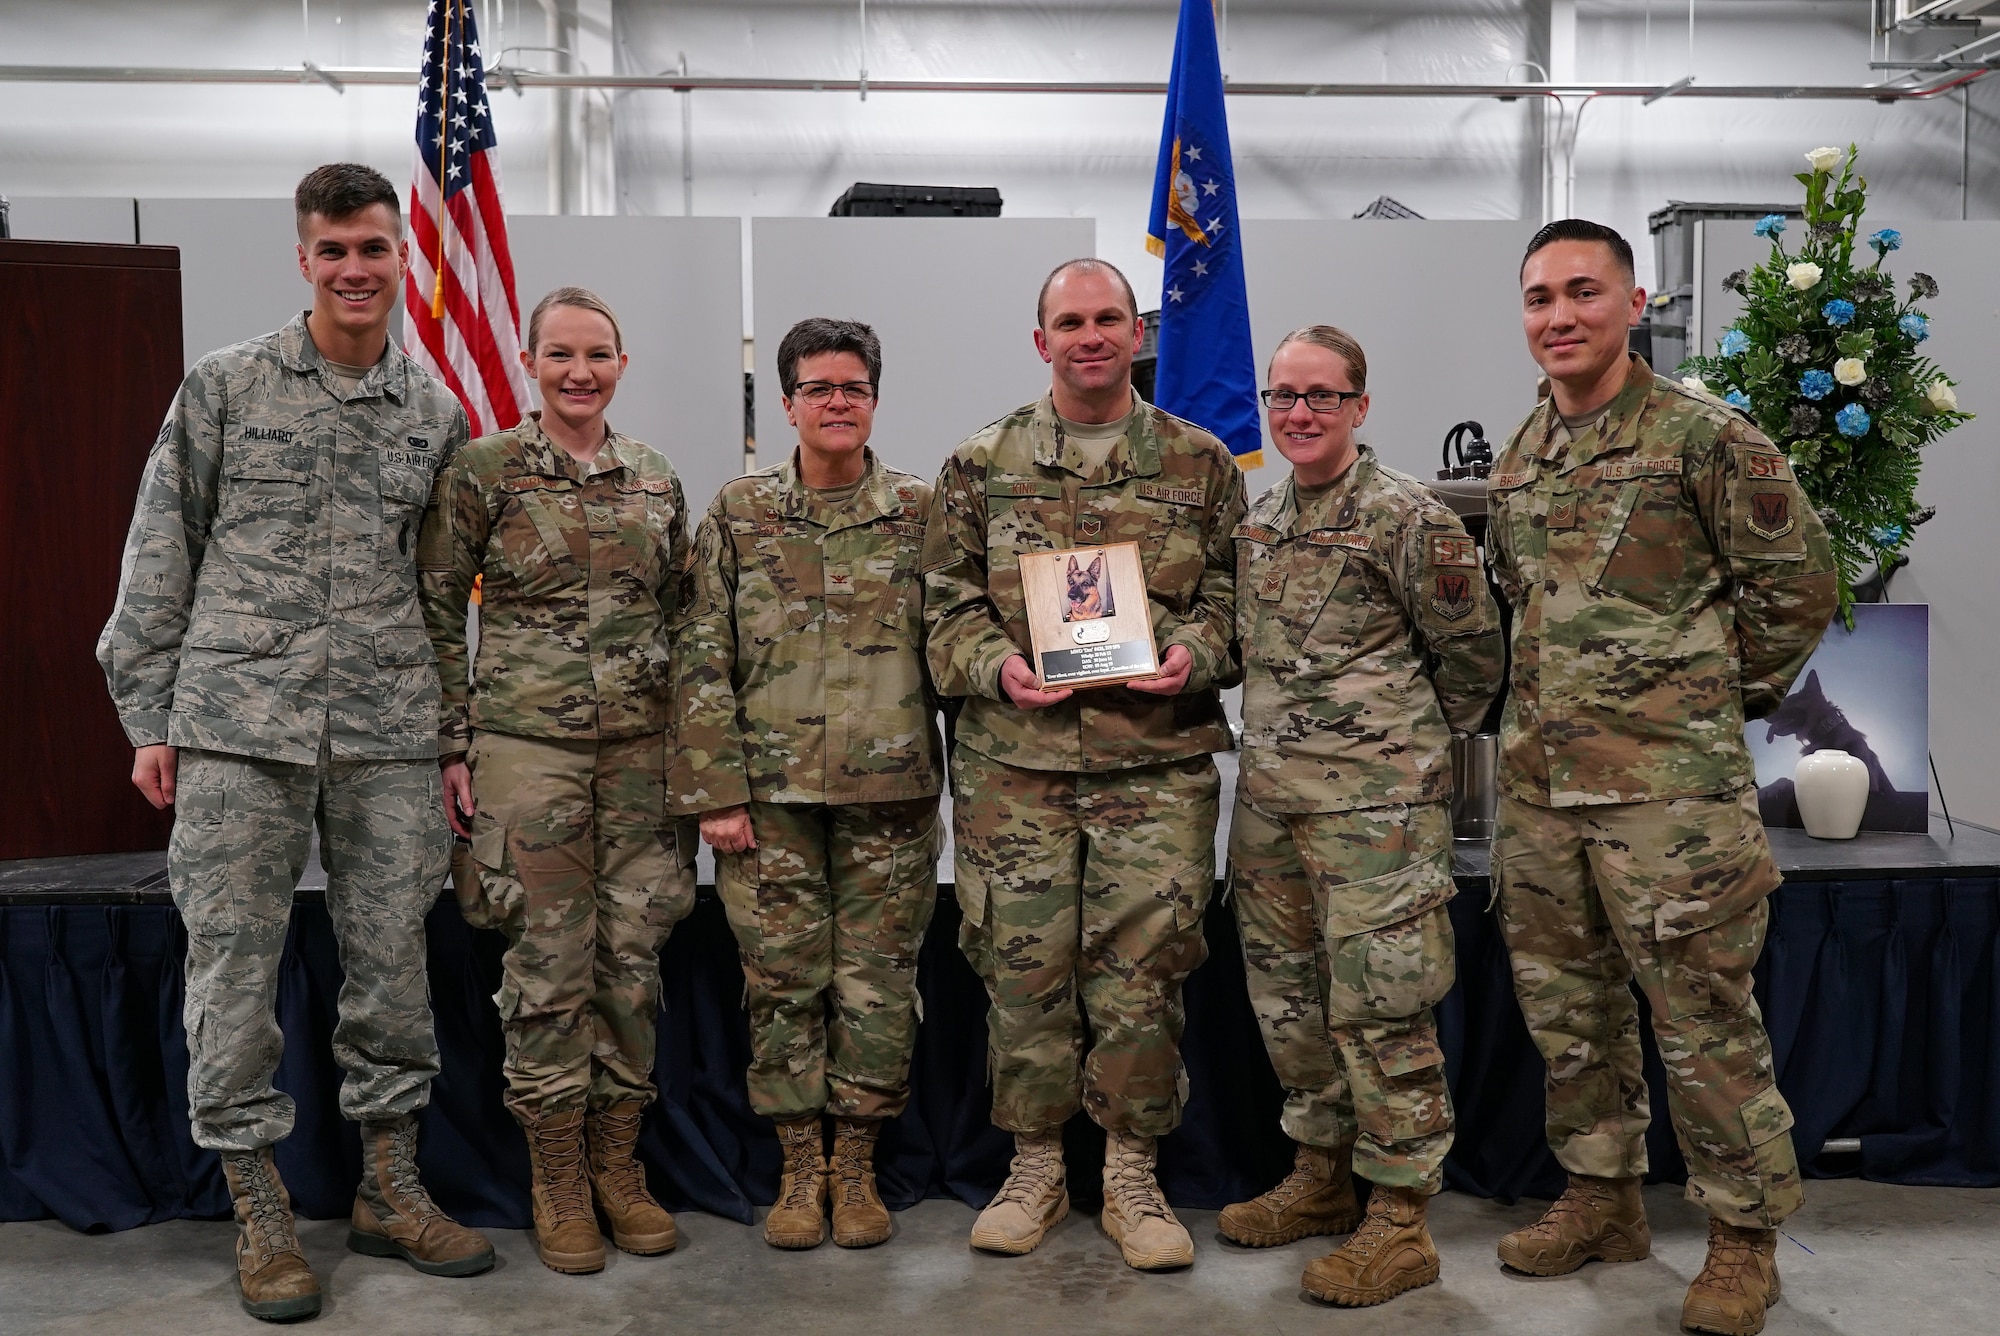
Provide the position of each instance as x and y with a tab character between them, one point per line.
683	83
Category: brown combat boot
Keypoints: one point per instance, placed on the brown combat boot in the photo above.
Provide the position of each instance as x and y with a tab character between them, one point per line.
1030	1203
1317	1197
1596	1218
395	1217
1390	1253
566	1237
860	1220
639	1224
1738	1282
798	1217
1136	1215
272	1277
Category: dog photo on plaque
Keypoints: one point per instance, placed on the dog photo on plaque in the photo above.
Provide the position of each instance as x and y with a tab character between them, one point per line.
1088	616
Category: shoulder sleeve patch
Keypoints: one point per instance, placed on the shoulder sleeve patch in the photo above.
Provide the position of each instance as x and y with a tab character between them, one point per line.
1453	549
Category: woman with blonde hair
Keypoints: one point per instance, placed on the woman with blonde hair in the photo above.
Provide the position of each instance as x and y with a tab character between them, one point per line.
554	743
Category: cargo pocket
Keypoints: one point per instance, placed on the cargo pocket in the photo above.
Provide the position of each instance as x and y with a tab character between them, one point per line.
1394	971
497	892
1709	929
673	898
407	677
969	889
913	885
1190	891
1766	1121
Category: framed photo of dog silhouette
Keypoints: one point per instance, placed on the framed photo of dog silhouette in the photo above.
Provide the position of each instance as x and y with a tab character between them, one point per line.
1865	692
1088	616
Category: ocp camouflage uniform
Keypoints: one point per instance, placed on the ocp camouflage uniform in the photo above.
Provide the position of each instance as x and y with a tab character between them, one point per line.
267	626
1669	580
803	696
566	725
1368	636
1084	831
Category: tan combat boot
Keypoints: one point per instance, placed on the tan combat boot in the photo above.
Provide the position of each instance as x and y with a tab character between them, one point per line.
395	1217
1390	1253
860	1220
566	1237
1595	1218
1738	1282
1030	1203
639	1224
1317	1197
1136	1215
798	1217
272	1277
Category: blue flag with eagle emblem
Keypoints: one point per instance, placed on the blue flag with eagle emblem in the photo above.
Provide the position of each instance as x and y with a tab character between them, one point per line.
1206	372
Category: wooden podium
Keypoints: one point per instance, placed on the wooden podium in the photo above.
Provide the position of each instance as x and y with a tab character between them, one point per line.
90	357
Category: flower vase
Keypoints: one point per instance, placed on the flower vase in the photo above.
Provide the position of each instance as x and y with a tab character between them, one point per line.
1832	792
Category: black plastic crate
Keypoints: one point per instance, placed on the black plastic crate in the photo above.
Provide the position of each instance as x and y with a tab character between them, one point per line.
866	200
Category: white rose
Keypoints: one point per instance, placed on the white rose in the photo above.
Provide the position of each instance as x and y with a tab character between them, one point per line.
1824	159
1697	383
1850	371
1803	274
1943	398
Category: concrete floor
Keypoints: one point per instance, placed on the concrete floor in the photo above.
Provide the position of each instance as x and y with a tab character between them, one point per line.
1883	1261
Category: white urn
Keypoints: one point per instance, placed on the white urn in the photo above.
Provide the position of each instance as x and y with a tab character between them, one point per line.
1832	792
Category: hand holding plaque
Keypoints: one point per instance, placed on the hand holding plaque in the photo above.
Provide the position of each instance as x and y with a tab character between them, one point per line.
1088	617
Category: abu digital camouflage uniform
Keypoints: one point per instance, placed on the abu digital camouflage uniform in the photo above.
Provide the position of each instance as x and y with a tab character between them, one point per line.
1084	831
1368	637
1669	579
567	719
267	626
803	695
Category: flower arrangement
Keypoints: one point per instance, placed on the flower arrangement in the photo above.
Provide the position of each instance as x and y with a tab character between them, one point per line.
1825	360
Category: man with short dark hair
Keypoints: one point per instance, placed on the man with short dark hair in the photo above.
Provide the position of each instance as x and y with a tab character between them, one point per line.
1085	823
269	663
1669	579
809	749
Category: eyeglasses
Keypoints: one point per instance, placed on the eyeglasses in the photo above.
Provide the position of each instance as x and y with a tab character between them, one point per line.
1319	401
819	393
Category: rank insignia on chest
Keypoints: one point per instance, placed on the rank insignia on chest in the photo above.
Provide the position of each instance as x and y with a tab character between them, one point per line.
839	580
1089	526
906	494
1345	519
1271	588
1770	515
771	513
1562	513
1451	549
1451	594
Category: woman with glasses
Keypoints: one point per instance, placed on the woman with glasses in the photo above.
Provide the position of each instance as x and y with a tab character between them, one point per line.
554	748
1368	637
809	750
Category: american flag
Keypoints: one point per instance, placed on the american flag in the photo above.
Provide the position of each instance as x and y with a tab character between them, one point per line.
461	321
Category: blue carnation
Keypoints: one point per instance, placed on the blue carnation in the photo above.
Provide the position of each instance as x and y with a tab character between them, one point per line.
1888	536
1886	240
1816	384
1738	399
1853	421
1839	311
1770	225
1915	327
1734	342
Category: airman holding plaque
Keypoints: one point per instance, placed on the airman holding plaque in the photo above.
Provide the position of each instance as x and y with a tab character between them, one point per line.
1084	819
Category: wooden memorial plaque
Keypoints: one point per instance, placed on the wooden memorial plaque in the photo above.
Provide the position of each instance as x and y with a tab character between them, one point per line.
1088	616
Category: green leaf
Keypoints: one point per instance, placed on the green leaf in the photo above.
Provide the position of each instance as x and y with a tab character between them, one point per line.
1855	343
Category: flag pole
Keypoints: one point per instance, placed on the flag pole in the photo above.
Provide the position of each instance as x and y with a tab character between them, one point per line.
444	147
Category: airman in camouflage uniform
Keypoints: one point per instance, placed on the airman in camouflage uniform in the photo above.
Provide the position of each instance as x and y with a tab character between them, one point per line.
268	661
804	700
1669	580
1369	637
1084	826
565	723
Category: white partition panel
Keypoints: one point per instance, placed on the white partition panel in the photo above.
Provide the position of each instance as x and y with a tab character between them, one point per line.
72	218
239	267
1951	558
953	300
677	285
1436	306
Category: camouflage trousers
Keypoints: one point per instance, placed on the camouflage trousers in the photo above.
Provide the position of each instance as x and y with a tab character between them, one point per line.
1083	895
242	828
582	869
830	909
1671	894
1347	945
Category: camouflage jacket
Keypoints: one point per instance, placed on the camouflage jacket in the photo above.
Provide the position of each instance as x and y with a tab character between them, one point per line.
1368	635
1019	486
800	650
1669	579
268	598
579	577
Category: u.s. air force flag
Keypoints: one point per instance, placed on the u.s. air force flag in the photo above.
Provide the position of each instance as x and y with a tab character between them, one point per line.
1206	372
